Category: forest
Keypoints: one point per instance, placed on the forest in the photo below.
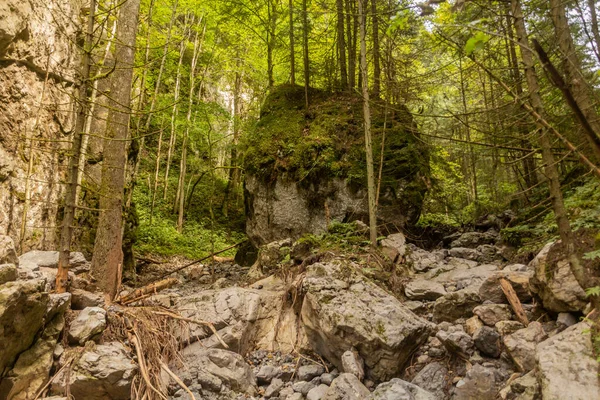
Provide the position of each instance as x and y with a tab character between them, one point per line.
302	199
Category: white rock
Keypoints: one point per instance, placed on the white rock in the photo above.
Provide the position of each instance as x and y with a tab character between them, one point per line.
90	322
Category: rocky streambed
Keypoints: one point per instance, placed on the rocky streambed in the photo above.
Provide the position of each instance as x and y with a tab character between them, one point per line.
323	330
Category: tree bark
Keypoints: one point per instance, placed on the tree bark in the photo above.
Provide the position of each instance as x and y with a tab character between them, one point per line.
108	254
367	121
351	40
271	28
594	23
341	44
71	190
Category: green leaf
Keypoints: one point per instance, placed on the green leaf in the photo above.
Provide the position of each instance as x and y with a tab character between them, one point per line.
593	291
592	255
476	43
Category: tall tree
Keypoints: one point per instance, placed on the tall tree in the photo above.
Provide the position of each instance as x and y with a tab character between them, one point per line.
351	40
305	51
108	254
376	51
367	122
341	44
292	50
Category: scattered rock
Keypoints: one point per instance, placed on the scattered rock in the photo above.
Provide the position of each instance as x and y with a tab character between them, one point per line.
487	340
340	300
473	324
566	365
555	283
346	387
466	253
399	389
491	290
421	289
267	373
474	239
525	387
459	304
478	384
566	319
422	260
8	273
353	364
490	314
508	327
82	299
103	372
274	388
303	387
317	393
432	378
394	246
521	345
49	259
90	322
457	342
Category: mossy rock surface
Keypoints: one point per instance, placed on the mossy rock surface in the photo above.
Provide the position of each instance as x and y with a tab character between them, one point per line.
318	148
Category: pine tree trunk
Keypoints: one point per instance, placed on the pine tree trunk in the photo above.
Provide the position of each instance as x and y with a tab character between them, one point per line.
71	187
367	118
108	254
305	51
594	23
341	44
271	27
351	40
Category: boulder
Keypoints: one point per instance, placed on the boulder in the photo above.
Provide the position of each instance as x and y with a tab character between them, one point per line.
487	341
82	299
566	365
421	289
246	318
23	305
308	372
394	246
227	367
103	372
346	387
32	368
491	290
353	364
317	393
565	320
478	384
8	254
397	389
461	273
303	387
521	345
8	273
487	253
474	239
464	252
90	322
459	304
432	378
266	373
490	314
49	259
554	282
342	310
274	388
422	260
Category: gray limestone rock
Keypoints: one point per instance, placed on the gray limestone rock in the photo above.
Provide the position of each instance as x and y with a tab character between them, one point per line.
90	322
421	289
346	387
521	345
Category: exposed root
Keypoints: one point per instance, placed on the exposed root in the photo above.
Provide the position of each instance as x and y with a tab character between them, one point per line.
177	380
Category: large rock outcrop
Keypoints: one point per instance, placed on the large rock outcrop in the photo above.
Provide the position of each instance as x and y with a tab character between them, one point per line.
306	170
37	40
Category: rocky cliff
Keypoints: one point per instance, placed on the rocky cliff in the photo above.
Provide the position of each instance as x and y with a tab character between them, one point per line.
38	57
306	169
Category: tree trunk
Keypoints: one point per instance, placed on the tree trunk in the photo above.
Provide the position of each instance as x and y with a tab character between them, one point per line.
594	23
574	77
234	172
351	45
471	162
367	118
174	111
305	51
108	254
376	51
71	188
341	44
271	28
292	52
183	165
562	221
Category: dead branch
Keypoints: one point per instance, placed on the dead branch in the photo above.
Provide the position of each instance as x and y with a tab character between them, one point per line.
514	301
149	289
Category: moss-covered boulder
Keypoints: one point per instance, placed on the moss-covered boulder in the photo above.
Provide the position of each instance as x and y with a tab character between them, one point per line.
305	169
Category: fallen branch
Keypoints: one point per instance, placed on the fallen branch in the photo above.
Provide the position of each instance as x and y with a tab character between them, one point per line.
149	289
194	321
514	301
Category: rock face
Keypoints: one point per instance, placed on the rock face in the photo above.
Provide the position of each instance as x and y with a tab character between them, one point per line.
566	365
28	34
103	372
89	323
342	310
554	282
288	195
521	345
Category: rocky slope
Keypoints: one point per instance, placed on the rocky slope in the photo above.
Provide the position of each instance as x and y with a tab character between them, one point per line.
328	330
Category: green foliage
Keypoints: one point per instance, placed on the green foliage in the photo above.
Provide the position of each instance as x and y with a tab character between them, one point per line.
476	43
593	291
